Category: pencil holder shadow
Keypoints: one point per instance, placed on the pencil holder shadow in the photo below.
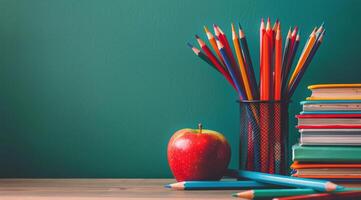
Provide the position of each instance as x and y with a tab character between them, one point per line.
264	136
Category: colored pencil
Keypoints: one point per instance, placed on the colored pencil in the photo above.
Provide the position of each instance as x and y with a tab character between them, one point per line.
248	63
218	185
262	30
284	60
265	69
348	195
276	148
206	49
241	64
200	54
303	57
231	70
265	83
213	43
269	193
223	39
289	181
213	59
294	85
289	65
278	64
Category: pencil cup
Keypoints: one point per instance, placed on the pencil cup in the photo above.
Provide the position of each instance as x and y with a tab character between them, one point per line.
264	136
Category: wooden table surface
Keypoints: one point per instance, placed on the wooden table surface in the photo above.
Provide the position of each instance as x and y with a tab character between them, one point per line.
92	189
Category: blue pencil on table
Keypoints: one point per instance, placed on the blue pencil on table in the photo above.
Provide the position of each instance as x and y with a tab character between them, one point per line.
218	185
289	181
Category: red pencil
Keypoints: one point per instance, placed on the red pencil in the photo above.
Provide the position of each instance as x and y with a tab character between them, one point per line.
265	69
223	39
278	65
349	195
264	110
214	60
262	30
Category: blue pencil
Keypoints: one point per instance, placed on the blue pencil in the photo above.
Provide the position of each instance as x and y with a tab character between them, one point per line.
248	61
289	181
218	185
231	71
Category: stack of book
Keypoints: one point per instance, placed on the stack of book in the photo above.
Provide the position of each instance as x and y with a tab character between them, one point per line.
330	134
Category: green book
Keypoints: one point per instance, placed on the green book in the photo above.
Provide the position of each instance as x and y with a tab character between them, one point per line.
327	154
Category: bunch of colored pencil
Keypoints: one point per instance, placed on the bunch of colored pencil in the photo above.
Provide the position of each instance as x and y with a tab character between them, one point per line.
275	63
278	187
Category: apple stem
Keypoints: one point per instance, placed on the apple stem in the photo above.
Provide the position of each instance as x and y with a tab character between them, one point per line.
200	127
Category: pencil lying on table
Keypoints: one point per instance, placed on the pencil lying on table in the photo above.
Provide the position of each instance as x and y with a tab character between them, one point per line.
268	193
218	185
349	195
285	193
289	181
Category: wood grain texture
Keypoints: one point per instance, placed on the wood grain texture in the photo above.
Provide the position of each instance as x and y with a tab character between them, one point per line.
94	189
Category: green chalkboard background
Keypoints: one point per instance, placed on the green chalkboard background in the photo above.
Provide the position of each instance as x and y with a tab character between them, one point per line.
95	88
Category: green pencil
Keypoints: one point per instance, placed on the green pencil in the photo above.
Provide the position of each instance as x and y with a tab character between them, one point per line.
252	194
268	193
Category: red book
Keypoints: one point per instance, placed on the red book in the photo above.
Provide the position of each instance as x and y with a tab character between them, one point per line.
341	126
328	116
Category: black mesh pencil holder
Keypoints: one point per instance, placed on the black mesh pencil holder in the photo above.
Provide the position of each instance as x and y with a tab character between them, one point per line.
264	136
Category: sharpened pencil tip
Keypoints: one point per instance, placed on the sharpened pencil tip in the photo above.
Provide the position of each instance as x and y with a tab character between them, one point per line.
240	27
206	29
167	186
339	188
234	195
197	36
190	45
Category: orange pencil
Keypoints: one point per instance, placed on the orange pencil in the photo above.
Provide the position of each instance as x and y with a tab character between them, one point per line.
306	52
213	43
242	69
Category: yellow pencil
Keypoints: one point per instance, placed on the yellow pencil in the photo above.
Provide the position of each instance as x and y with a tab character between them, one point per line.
306	52
242	68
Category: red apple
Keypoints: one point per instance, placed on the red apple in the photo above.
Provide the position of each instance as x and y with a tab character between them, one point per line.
196	154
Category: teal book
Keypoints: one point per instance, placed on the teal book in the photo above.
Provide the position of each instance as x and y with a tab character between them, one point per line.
326	154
